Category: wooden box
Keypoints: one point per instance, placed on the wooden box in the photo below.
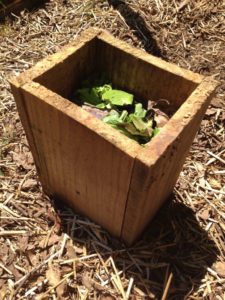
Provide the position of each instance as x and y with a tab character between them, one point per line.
93	167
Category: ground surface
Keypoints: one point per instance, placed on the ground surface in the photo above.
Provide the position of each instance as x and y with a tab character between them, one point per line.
182	254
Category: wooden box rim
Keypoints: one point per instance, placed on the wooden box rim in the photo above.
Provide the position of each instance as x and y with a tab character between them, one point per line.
158	145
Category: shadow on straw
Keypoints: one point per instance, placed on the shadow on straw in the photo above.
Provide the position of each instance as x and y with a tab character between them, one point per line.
168	262
138	26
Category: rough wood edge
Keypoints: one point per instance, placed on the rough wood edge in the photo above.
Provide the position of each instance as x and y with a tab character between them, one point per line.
22	110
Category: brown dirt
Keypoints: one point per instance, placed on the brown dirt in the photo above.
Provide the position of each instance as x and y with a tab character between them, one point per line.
182	253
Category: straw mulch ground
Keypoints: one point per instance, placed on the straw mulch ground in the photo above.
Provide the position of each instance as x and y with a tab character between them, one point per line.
48	252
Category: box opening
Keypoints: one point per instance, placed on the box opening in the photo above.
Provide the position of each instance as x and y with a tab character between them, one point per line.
125	71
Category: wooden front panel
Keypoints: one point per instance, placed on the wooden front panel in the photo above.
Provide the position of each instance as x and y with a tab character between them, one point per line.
81	167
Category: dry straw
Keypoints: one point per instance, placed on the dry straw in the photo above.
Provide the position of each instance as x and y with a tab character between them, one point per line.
49	252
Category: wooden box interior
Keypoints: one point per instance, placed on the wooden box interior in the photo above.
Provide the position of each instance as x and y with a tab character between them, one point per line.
125	71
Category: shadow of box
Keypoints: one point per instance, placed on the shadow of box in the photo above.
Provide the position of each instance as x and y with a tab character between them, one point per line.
93	167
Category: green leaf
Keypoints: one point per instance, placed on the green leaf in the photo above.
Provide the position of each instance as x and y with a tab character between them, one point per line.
156	130
89	96
123	115
101	106
139	124
135	125
134	131
117	97
139	111
125	132
113	118
100	90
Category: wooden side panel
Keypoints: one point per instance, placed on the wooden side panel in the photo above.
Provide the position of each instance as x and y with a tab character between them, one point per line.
157	167
24	117
129	69
89	172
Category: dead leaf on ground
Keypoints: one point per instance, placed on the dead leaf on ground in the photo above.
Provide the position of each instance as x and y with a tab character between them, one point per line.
23	243
211	111
29	184
4	252
215	184
54	238
53	216
34	258
78	250
205	214
88	282
17	275
7	255
23	159
70	251
2	283
217	102
53	274
219	267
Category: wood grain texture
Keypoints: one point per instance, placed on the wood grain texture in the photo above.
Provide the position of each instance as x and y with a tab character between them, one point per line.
146	76
157	167
26	122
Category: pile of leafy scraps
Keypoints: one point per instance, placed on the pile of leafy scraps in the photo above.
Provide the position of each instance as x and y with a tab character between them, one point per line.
119	109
